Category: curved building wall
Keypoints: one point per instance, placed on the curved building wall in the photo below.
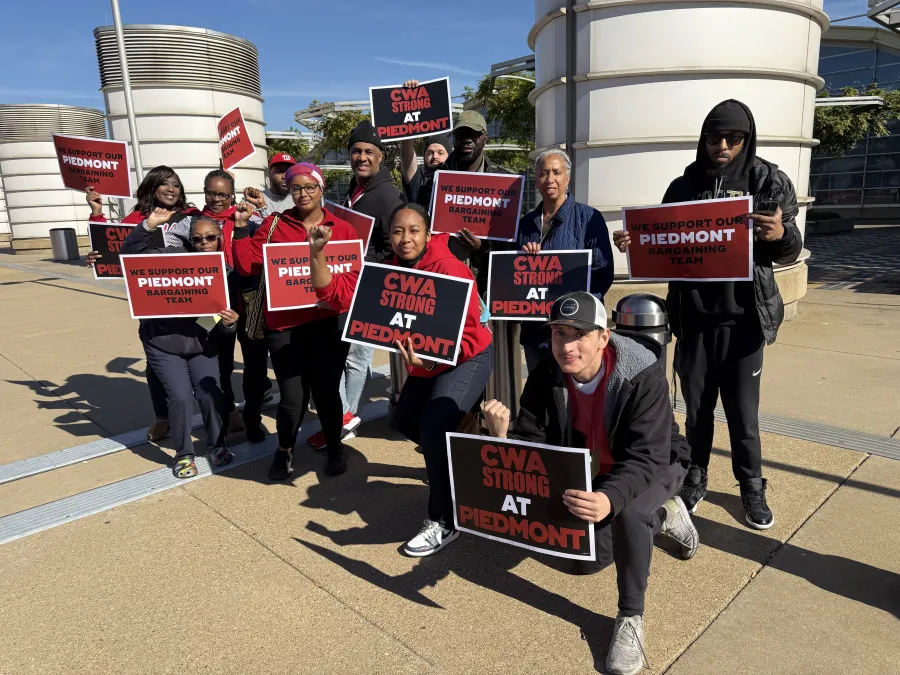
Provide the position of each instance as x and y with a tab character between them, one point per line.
646	77
36	199
4	215
183	80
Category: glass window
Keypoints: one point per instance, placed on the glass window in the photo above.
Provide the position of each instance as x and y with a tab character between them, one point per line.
858	79
837	165
852	61
887	76
837	197
882	145
883	196
886	58
883	162
883	179
837	181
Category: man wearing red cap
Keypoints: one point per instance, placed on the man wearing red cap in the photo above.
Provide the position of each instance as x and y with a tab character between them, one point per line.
275	198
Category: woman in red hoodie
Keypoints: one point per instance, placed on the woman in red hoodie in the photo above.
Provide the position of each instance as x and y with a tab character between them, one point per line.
161	188
436	397
305	344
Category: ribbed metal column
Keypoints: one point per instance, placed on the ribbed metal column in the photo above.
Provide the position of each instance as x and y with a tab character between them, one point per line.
36	199
183	80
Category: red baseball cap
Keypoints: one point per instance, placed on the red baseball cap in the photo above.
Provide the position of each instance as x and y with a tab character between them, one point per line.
281	158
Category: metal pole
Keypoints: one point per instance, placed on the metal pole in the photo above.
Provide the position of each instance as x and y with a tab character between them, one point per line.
126	85
505	383
398	377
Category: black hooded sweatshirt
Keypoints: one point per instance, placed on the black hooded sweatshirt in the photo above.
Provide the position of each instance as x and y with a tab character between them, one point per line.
378	200
696	305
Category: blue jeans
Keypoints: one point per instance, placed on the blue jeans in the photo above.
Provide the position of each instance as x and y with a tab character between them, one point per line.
356	373
428	408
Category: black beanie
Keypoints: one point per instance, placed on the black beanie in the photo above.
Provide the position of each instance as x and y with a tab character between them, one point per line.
729	115
364	132
440	139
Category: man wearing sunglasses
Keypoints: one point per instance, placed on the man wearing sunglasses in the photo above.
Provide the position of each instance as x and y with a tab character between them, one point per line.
722	326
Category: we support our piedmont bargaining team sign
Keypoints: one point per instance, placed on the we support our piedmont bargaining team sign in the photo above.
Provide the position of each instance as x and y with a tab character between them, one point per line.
392	303
288	284
235	144
523	287
400	112
703	240
487	204
362	223
175	284
95	162
106	239
511	492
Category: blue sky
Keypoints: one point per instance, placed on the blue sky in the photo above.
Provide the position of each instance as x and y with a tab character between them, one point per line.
328	51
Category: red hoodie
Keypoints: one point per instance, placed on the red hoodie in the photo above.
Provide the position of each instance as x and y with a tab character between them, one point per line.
438	258
248	258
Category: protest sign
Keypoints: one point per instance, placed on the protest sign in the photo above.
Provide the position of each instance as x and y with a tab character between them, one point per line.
106	239
169	285
393	303
288	284
93	162
362	223
703	240
400	112
523	287
235	144
511	492
486	204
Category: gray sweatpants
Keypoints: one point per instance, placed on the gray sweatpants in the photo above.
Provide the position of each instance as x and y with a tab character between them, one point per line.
627	540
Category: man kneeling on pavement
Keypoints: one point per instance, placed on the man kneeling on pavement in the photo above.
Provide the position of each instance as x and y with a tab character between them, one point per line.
608	392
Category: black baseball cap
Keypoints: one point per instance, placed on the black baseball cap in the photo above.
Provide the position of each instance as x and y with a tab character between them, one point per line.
580	310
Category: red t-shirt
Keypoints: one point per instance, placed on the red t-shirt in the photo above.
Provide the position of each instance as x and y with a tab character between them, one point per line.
589	418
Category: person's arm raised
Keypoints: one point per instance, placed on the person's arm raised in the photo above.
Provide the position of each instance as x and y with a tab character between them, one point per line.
409	163
319	274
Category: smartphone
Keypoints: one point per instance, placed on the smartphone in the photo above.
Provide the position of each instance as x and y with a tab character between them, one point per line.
766	207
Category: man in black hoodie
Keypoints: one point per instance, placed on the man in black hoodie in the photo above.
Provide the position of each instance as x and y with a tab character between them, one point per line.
722	327
608	393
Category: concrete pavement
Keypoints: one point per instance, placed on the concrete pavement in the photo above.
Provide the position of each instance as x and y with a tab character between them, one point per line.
232	574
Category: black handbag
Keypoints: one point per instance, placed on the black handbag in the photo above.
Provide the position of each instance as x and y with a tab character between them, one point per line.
254	300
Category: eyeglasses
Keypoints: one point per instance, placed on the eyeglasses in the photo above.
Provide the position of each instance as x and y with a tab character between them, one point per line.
308	189
208	238
218	195
733	138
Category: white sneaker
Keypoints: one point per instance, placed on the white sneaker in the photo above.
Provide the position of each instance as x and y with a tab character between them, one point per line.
626	651
348	431
431	539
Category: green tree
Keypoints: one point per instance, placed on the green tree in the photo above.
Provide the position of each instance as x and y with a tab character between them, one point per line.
505	100
298	148
840	128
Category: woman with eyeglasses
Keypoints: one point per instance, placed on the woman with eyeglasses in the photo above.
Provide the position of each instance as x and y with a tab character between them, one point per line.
218	191
184	353
161	188
305	344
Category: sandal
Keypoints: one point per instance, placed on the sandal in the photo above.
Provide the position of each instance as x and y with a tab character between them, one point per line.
185	467
220	456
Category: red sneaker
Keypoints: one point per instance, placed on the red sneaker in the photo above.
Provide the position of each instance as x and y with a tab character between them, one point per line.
350	423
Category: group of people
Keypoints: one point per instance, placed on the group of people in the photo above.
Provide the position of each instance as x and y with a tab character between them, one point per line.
587	386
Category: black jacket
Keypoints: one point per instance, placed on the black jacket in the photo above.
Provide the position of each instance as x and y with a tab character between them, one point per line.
643	435
182	337
764	182
378	200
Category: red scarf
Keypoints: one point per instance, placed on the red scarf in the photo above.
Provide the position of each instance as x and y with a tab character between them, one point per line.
226	219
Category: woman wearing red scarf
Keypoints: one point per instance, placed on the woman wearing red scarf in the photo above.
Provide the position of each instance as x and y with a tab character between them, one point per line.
305	344
160	189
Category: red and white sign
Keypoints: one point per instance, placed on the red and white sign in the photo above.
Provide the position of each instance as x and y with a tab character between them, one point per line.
94	162
708	240
235	144
288	283
168	285
486	204
362	223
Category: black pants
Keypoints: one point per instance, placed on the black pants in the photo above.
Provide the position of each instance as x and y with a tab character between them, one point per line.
726	360
309	359
255	354
428	408
157	393
185	379
627	539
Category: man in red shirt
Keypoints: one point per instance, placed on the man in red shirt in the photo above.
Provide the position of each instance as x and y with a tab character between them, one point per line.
608	392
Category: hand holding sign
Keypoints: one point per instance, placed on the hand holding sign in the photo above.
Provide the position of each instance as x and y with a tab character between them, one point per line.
622	240
531	248
94	200
409	355
228	316
590	506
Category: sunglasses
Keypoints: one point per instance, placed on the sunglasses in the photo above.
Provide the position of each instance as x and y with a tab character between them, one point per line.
219	195
208	238
733	138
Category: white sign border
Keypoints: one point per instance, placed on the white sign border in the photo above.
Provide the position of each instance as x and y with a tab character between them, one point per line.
124	145
447	131
300	243
435	190
244	122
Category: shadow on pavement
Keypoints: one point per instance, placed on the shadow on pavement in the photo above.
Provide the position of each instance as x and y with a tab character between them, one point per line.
853	580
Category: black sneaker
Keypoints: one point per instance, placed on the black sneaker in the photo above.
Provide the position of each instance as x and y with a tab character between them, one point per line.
337	462
693	491
256	433
281	465
759	515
